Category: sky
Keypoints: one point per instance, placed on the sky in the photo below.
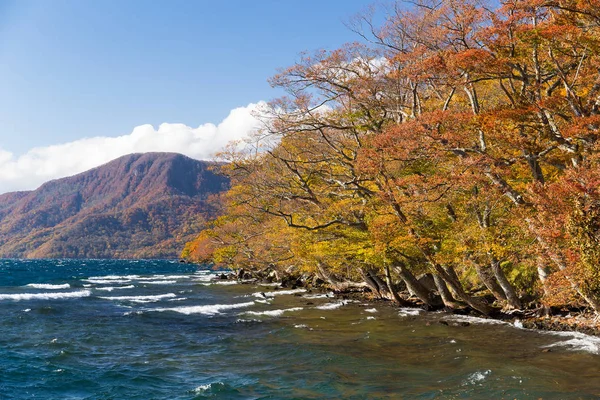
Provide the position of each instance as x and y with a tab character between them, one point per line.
85	81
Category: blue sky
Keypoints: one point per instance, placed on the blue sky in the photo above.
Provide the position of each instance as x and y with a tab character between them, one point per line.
75	69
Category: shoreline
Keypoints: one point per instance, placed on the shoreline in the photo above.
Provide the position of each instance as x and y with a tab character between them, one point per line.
564	321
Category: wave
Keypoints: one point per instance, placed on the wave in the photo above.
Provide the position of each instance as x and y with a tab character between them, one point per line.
45	296
273	313
332	306
202	388
475	320
476	377
137	277
405	312
168	277
210	309
319	296
371	310
48	286
278	293
577	341
106	281
111	288
247	321
161	282
114	277
141	299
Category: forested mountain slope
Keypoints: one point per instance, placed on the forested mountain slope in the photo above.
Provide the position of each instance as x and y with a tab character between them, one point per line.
137	206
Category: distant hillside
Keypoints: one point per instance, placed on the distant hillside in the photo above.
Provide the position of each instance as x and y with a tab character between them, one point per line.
137	206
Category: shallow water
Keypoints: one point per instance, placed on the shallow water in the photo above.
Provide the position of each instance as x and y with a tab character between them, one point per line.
161	330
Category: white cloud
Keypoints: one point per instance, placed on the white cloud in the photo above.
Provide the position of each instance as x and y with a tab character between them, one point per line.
42	164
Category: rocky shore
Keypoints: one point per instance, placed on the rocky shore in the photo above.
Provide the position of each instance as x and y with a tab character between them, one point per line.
547	319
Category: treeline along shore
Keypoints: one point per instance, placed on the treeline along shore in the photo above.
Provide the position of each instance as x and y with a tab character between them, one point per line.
449	159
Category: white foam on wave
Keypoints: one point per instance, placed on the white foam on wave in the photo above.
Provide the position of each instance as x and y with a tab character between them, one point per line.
204	275
48	286
318	296
141	299
242	320
106	281
475	320
405	312
273	313
204	388
476	377
222	283
111	288
518	324
128	278
371	310
577	341
45	296
169	277
133	313
111	277
332	306
203	278
161	282
277	293
210	309
275	284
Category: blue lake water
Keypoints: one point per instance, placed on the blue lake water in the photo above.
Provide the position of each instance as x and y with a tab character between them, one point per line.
98	329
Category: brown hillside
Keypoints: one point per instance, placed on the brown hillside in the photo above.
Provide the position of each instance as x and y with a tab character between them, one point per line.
137	206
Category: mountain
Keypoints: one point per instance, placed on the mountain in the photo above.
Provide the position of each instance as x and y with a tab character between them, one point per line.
137	206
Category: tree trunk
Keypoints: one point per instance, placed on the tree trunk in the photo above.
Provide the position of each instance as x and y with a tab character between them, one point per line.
373	284
511	295
335	283
558	259
395	296
543	272
490	282
445	293
413	285
449	276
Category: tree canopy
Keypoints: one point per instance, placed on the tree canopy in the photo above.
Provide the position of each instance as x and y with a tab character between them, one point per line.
456	139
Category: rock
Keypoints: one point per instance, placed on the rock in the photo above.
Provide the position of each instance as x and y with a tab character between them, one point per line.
443	322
